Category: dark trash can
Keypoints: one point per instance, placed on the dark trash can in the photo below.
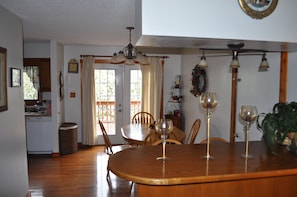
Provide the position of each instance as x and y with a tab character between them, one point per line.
68	138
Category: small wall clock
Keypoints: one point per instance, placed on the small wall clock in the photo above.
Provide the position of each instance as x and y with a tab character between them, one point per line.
258	9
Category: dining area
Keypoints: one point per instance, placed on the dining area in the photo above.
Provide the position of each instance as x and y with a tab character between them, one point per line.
146	131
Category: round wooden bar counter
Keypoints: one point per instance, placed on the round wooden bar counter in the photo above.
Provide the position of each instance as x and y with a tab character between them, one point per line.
186	173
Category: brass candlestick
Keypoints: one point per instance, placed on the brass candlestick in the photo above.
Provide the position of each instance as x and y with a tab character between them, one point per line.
248	114
208	101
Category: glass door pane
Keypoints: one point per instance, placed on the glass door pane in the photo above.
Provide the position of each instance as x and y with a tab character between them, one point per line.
108	92
105	98
135	92
118	97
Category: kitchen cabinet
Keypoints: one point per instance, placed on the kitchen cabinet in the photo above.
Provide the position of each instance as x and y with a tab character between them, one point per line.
44	71
39	134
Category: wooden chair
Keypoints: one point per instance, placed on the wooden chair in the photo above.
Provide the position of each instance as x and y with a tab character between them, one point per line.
214	140
143	117
193	133
109	147
168	141
151	138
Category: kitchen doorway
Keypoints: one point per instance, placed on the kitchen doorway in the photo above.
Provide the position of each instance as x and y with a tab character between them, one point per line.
118	97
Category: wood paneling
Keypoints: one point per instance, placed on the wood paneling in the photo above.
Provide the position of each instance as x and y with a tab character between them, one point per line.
233	104
280	186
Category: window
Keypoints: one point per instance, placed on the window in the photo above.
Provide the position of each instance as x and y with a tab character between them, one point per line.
31	82
105	84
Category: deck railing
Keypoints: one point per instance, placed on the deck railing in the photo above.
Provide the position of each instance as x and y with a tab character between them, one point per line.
105	111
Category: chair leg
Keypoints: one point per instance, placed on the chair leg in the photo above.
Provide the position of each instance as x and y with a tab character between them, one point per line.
131	187
110	184
108	176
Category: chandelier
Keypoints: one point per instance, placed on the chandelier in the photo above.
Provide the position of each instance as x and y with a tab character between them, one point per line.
129	54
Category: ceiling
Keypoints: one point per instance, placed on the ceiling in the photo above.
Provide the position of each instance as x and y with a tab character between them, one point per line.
104	22
84	22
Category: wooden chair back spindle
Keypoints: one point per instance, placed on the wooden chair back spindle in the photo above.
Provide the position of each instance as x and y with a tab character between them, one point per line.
143	118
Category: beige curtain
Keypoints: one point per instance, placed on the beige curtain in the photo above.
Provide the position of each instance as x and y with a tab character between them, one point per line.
152	75
88	101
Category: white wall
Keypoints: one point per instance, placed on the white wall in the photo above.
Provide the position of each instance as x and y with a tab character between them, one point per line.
13	154
172	67
37	49
58	113
215	19
254	88
292	79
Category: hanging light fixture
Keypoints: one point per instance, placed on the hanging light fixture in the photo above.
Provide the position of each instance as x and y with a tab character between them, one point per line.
235	62
203	63
237	49
264	64
129	54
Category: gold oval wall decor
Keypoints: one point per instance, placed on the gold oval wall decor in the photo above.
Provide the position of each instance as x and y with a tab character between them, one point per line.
258	9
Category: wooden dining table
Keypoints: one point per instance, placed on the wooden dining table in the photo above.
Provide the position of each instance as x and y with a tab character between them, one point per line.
187	173
135	134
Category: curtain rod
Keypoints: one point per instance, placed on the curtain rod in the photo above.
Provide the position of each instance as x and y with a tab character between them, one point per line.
81	56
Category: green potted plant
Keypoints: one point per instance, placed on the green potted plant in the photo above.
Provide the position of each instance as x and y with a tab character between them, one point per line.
280	126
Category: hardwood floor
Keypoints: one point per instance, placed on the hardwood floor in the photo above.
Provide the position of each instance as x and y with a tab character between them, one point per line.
82	174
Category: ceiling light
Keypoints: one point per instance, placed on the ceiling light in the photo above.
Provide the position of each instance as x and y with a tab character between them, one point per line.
129	54
235	62
203	63
264	64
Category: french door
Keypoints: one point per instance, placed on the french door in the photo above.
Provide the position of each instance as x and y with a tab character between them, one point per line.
118	96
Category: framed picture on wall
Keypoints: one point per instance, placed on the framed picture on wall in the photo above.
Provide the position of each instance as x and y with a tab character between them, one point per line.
15	79
73	66
3	80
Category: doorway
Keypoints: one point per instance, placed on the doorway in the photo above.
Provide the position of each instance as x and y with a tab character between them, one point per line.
118	97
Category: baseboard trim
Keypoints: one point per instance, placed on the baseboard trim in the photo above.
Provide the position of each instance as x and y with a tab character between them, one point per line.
57	154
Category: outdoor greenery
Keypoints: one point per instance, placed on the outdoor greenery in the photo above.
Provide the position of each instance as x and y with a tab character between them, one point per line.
105	85
135	85
30	92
